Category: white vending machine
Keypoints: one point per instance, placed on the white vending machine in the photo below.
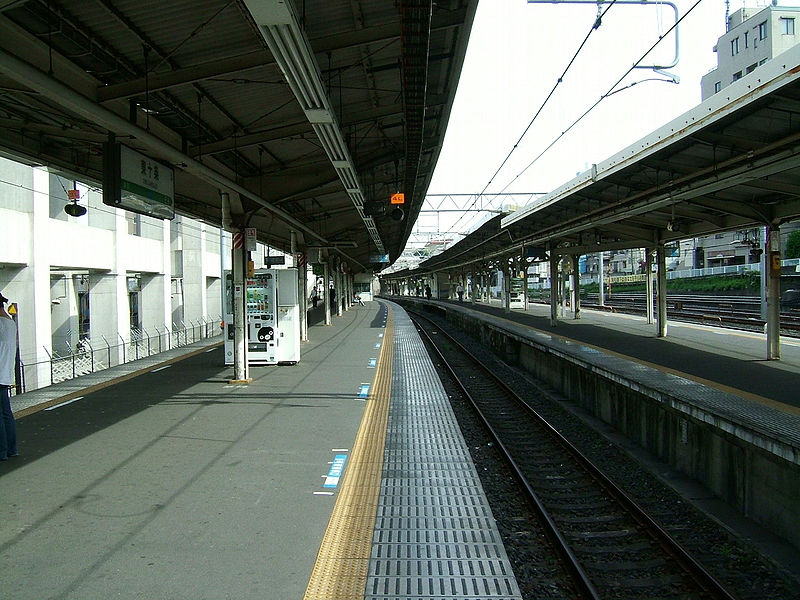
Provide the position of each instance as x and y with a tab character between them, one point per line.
288	316
272	314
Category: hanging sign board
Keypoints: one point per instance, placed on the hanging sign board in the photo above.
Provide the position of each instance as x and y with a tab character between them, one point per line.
398	198
250	239
270	261
138	183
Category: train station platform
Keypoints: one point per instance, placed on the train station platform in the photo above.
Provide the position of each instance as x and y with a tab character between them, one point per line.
730	360
701	404
166	481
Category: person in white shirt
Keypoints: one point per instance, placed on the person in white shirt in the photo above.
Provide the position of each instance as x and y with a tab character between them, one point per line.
8	355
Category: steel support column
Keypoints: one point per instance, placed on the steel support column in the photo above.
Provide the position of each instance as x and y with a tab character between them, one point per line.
661	260
576	287
326	295
302	283
337	285
241	372
553	287
601	298
773	254
648	283
508	271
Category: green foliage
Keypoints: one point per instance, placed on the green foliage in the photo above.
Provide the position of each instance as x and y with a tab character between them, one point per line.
749	282
792	245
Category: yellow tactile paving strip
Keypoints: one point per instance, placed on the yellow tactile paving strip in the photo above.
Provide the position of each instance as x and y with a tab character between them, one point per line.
340	571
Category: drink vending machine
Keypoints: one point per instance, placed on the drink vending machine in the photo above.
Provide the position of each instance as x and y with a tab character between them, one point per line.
272	314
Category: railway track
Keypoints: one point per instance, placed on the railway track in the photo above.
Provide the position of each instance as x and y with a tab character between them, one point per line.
740	312
610	547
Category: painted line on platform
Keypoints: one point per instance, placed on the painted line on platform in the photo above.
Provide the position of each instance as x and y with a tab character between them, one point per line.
707	382
160	368
341	568
762	337
64	403
335	472
323	493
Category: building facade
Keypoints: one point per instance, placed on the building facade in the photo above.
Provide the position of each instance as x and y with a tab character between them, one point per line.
103	278
754	36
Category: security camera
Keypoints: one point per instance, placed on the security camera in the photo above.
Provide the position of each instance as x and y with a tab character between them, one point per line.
75	210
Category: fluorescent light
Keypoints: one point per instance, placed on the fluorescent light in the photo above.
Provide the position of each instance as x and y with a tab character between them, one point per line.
289	46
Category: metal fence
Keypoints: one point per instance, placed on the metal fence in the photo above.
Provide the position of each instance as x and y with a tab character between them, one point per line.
95	355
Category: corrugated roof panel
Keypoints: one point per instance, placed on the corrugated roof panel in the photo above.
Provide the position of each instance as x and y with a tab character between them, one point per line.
358	50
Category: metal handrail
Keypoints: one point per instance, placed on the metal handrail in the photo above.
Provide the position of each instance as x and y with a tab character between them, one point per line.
82	359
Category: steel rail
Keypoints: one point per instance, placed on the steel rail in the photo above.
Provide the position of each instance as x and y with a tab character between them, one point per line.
692	567
579	576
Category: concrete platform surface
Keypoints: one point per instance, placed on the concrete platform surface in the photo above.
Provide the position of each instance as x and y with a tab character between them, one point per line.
175	484
727	359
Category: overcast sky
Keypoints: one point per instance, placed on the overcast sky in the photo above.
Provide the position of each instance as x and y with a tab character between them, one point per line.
516	53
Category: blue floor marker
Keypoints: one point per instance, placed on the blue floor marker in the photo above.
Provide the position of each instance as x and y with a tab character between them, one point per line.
373	362
335	472
364	390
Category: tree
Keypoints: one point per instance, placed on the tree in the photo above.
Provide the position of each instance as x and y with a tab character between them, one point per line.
793	245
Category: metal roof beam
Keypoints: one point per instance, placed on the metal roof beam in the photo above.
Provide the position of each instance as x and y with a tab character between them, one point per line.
280	29
236	64
790	189
70	100
277	133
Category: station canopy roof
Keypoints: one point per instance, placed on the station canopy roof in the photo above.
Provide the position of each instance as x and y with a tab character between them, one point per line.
732	162
305	112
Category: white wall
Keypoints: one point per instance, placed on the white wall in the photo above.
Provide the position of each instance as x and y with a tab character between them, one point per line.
43	249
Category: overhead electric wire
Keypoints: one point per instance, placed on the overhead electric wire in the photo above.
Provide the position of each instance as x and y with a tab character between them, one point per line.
610	92
559	81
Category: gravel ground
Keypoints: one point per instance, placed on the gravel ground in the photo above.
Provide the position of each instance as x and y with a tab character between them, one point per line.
734	561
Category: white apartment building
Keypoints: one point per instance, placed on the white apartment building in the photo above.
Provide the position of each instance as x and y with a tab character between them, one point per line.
754	36
101	277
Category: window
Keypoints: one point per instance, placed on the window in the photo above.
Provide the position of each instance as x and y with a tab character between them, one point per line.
746	36
762	30
737	75
134	223
751	68
787	26
734	46
717	86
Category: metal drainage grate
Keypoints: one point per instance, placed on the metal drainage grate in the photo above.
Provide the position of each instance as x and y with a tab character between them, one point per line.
435	536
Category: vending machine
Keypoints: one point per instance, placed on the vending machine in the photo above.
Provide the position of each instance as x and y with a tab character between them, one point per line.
288	316
272	317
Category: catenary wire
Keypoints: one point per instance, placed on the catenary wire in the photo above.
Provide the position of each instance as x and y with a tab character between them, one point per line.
610	92
559	81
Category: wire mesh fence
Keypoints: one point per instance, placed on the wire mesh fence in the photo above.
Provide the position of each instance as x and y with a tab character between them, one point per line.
91	355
